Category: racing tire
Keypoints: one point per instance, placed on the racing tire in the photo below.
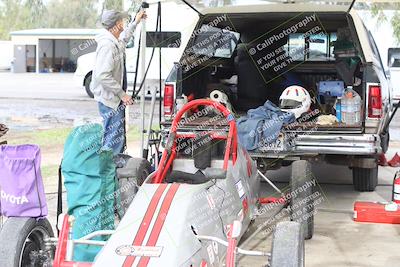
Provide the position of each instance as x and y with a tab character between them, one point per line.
19	237
141	169
88	80
301	202
365	180
288	245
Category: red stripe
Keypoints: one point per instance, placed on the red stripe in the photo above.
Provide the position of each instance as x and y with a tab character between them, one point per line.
158	225
144	226
230	253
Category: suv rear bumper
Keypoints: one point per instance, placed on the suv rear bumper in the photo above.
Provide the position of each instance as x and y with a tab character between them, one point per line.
360	144
355	144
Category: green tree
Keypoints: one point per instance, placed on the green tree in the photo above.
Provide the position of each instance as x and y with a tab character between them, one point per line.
71	14
377	10
113	4
15	15
31	14
36	11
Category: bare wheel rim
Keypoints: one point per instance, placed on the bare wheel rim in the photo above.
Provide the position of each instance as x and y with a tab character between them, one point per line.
33	242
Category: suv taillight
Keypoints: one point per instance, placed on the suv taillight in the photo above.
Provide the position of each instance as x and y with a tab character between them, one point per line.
374	101
168	99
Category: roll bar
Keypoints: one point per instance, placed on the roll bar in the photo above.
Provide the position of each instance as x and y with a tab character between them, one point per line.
170	150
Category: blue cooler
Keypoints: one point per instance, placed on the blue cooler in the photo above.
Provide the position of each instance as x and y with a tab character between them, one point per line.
328	92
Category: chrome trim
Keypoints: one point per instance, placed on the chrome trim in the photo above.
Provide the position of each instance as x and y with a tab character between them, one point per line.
317	144
340	150
334	144
351	138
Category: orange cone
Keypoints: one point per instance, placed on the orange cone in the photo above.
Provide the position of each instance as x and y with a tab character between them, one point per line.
395	161
382	161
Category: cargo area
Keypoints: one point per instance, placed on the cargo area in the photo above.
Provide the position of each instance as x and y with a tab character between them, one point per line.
252	66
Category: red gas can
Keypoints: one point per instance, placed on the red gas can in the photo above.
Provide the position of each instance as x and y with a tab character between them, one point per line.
376	212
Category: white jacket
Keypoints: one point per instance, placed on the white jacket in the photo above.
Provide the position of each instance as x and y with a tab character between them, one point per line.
108	72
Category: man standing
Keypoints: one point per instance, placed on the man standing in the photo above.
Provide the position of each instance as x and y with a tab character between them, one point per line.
109	81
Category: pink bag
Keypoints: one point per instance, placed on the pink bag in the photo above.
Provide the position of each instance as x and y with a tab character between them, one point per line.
22	191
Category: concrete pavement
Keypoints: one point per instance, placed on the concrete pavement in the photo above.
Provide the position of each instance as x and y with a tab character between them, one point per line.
338	240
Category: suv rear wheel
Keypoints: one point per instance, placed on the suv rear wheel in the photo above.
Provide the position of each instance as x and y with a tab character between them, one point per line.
88	79
130	178
365	180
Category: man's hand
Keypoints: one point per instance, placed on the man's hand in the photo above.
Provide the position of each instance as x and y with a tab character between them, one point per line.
141	15
127	100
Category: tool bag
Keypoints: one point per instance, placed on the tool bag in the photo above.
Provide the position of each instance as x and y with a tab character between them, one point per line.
89	179
22	190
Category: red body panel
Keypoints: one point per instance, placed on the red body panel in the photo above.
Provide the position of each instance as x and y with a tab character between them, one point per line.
61	251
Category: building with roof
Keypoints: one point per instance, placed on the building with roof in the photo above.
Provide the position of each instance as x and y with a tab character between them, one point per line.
50	50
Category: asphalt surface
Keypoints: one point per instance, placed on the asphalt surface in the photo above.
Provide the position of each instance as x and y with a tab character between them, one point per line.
30	101
40	86
42	101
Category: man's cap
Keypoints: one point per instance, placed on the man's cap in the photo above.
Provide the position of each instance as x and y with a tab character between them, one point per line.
110	17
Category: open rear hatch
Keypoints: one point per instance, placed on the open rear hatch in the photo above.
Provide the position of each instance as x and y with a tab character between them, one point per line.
251	23
252	30
206	6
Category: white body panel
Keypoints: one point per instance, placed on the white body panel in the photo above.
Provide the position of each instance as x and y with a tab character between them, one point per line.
202	209
395	80
171	239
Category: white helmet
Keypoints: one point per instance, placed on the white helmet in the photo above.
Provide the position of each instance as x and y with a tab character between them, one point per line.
295	99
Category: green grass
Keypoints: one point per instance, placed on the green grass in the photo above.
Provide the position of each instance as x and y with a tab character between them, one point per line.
43	138
133	133
50	170
56	137
50	177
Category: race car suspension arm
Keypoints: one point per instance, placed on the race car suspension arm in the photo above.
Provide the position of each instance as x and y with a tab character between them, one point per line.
238	251
269	182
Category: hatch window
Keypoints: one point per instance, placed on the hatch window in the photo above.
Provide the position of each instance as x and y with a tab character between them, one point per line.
313	47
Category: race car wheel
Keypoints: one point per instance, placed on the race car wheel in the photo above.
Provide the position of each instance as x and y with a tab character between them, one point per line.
88	80
365	180
302	203
22	242
139	169
287	245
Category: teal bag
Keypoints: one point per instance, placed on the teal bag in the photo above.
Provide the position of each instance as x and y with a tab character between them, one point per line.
89	178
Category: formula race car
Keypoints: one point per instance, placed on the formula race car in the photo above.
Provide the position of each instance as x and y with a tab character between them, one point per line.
194	210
